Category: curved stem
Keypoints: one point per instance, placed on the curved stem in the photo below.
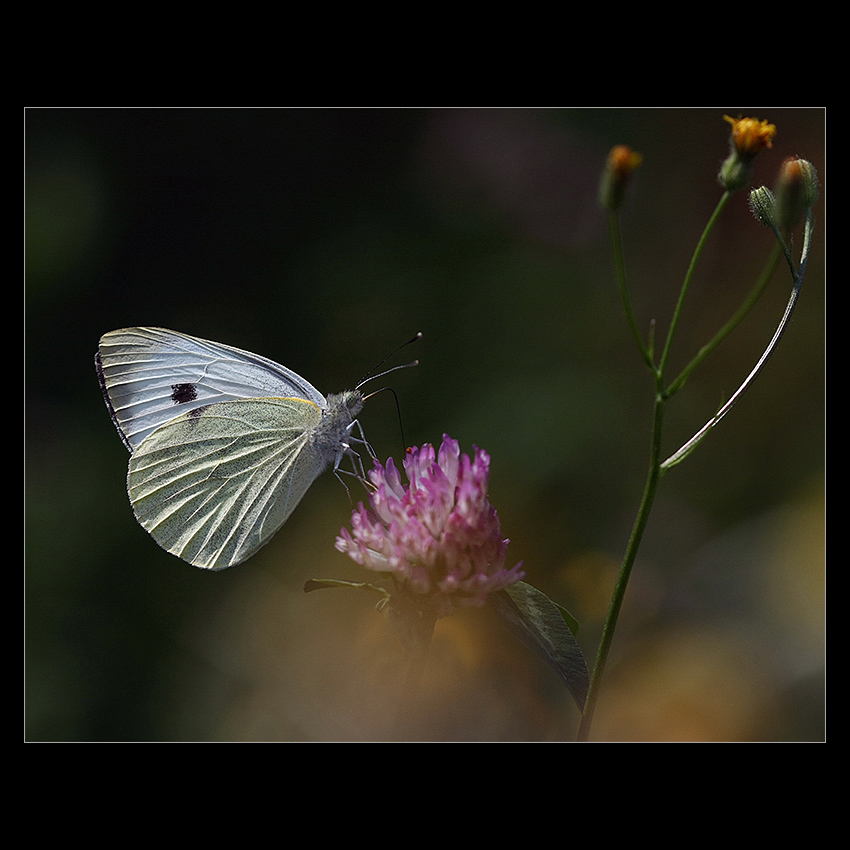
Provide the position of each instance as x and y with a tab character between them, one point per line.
797	274
687	448
733	322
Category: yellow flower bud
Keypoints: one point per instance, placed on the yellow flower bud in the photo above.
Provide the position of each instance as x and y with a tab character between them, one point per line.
622	161
796	190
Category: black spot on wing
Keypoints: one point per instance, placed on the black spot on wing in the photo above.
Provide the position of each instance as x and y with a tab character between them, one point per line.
195	414
181	393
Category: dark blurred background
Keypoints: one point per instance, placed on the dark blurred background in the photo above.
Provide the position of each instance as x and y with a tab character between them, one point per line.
323	238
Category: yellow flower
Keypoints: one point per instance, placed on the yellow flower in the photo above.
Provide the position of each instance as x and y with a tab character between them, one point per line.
749	135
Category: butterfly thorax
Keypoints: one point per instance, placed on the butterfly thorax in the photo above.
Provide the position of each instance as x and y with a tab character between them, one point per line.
330	437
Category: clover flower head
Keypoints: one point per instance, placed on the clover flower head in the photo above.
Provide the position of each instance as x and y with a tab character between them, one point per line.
438	536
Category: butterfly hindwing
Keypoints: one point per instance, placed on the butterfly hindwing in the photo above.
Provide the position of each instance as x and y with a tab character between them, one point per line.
214	484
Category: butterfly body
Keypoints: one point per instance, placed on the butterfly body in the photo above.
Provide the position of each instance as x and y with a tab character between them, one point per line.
224	443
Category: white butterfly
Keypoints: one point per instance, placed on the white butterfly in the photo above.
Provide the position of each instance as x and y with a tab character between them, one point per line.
224	442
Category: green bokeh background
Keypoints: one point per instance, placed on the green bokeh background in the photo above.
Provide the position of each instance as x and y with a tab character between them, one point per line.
323	238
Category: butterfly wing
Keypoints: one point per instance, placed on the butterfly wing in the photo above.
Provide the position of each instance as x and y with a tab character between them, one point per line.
214	484
151	375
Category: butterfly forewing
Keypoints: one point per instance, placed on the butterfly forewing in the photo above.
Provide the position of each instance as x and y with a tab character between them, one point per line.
151	375
214	484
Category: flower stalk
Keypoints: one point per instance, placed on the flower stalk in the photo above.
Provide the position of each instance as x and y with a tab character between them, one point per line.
796	193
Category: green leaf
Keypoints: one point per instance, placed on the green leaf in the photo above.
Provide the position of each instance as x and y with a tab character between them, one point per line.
572	623
539	623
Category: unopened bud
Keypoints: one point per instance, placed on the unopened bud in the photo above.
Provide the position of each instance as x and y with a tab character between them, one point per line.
763	206
622	161
796	190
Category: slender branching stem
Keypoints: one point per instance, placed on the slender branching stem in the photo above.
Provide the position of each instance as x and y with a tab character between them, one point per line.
662	395
677	313
734	321
655	467
797	275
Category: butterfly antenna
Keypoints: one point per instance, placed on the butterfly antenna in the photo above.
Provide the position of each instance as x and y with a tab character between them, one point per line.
371	376
397	405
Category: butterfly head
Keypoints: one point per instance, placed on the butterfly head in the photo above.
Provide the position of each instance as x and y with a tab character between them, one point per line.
345	406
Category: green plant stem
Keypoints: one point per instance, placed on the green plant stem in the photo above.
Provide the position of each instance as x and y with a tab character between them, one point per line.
734	321
662	395
655	469
635	539
677	313
797	275
620	268
678	456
